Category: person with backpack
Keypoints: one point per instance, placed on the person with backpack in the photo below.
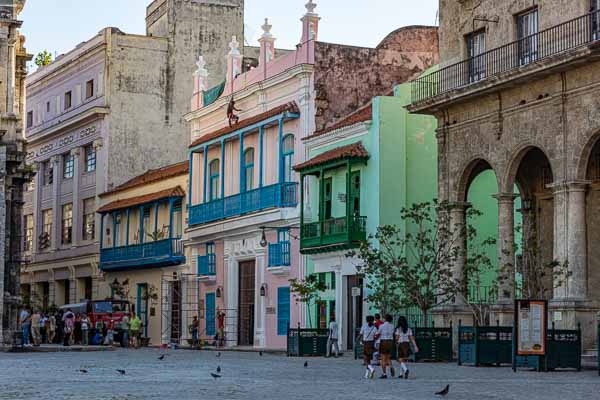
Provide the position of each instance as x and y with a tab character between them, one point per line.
405	337
367	335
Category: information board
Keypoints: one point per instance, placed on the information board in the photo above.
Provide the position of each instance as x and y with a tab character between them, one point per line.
531	321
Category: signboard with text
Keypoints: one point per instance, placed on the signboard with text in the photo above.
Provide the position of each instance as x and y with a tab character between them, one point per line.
531	322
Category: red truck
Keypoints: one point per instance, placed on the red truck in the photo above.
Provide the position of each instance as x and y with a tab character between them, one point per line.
99	312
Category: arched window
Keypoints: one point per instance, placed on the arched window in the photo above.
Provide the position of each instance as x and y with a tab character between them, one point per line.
287	153
213	170
248	169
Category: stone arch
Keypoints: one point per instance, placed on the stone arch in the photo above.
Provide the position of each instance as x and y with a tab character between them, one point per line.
510	176
585	157
469	172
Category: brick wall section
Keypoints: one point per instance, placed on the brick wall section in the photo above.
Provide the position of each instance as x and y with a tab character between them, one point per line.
347	77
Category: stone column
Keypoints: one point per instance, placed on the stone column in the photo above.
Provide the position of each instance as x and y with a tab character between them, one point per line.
339	306
577	241
10	83
72	286
458	225
56	211
561	227
77	228
100	181
506	247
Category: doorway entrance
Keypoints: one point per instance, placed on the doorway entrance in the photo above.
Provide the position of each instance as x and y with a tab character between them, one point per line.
247	292
354	315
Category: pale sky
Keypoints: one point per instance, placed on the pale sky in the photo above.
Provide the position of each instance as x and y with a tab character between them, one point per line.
59	25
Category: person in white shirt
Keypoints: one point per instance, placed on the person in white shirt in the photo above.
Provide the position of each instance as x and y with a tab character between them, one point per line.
404	336
367	335
332	340
385	334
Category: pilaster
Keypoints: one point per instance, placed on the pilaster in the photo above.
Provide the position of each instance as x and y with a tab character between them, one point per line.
77	227
56	217
506	247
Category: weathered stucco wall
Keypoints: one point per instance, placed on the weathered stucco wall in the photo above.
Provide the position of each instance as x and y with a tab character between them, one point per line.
348	77
456	21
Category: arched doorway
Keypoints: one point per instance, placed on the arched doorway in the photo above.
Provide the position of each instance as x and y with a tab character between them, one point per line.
534	224
592	205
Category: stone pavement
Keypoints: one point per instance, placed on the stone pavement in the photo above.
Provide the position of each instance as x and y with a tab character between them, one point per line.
185	375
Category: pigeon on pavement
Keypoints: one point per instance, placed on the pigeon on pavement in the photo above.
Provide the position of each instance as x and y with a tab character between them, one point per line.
215	375
121	371
83	371
305	364
218	369
162	357
218	354
444	391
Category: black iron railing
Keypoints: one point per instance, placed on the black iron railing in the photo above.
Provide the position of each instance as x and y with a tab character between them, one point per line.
557	39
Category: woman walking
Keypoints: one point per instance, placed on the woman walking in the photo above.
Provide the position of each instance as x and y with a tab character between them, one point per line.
404	336
385	334
367	335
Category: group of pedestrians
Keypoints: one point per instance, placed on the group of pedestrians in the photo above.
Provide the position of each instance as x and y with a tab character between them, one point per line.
37	327
380	339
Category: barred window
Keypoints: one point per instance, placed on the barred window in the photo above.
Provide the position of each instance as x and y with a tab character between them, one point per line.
89	220
48	172
67	223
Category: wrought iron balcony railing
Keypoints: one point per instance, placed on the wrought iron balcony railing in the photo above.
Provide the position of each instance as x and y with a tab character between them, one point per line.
277	195
151	254
558	39
335	231
279	254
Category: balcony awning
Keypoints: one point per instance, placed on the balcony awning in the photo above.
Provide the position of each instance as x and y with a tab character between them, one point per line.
291	107
354	151
144	199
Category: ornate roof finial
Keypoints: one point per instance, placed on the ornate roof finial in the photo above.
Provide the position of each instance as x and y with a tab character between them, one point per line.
310	7
267	29
201	64
234	46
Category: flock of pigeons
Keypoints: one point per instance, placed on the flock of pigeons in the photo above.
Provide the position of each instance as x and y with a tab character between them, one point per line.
217	374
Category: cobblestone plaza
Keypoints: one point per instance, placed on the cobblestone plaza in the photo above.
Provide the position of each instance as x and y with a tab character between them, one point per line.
186	375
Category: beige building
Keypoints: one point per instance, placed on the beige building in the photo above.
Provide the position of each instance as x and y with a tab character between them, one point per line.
517	93
141	248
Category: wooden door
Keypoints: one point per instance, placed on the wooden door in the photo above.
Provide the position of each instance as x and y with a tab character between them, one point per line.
247	292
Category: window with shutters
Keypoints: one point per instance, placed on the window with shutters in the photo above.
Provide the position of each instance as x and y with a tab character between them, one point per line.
68	100
30	119
28	245
283	310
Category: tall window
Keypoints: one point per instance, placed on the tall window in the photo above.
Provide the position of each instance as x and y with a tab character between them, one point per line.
214	180
475	50
248	169
48	172
527	25
29	119
89	221
327	198
89	88
68	165
67	100
355	192
287	152
28	245
177	219
67	223
46	236
595	10
90	158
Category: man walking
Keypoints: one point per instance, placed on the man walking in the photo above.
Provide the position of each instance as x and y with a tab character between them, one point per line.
332	340
25	321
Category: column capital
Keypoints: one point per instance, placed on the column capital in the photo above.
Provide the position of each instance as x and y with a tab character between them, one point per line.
97	144
55	159
75	152
569	186
505	197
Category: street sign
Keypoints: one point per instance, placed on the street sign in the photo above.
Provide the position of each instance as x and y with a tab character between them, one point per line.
531	323
356	292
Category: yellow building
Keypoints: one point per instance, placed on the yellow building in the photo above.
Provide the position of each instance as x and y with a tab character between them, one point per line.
141	248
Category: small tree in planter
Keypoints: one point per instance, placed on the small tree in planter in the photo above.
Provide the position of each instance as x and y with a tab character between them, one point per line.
307	291
119	289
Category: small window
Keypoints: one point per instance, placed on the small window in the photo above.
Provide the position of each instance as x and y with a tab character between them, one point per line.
90	158
214	180
30	119
89	222
48	172
46	236
248	169
68	100
288	157
67	223
89	89
68	166
48	107
475	53
28	245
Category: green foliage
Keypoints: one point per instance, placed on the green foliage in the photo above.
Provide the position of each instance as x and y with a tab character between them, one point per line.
307	290
43	58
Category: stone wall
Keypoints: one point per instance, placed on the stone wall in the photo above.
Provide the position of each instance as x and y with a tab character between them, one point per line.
348	77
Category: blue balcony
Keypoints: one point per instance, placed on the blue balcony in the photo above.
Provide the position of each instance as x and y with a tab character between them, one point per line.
272	196
279	254
156	254
207	265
